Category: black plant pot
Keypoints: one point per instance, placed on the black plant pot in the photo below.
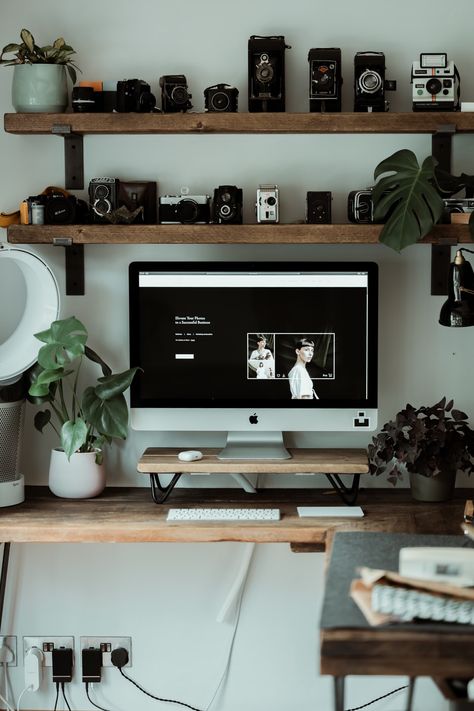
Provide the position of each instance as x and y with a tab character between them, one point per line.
433	488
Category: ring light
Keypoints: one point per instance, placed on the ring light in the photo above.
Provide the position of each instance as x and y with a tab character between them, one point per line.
20	350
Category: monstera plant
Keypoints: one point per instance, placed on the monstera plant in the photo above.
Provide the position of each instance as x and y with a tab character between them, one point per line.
408	197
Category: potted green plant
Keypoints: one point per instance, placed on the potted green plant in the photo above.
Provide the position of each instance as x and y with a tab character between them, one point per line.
39	78
408	197
431	443
84	424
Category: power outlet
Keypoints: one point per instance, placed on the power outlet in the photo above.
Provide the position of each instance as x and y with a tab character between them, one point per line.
8	651
47	644
107	645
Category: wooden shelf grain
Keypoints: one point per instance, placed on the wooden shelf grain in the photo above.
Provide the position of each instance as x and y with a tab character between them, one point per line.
221	234
130	516
208	123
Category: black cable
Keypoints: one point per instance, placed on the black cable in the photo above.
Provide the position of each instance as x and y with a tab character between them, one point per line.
379	698
157	698
57	696
93	704
64	696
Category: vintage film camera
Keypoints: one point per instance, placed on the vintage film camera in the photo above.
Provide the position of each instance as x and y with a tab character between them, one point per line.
370	83
138	199
360	206
325	80
184	209
318	207
103	197
134	95
435	83
227	205
221	97
456	205
267	205
266	69
53	207
174	93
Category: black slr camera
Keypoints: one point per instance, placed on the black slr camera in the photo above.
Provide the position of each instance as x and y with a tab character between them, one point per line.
227	205
325	80
174	93
266	59
221	97
134	95
370	83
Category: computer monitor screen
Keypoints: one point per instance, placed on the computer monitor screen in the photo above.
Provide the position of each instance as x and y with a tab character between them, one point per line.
253	348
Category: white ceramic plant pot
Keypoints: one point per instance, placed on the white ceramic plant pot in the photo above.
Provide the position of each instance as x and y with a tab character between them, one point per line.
77	478
40	88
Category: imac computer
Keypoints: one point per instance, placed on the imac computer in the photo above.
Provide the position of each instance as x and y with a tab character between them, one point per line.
254	349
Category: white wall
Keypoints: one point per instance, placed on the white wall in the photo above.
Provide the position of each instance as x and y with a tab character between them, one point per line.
167	596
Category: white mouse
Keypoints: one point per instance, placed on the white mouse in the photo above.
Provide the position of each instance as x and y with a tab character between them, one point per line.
190	455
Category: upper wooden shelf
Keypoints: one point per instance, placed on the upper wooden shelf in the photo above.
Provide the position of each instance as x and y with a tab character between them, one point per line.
133	123
221	234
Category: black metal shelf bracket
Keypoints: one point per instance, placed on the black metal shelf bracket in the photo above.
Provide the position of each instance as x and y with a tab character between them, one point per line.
441	149
73	156
347	493
74	264
159	492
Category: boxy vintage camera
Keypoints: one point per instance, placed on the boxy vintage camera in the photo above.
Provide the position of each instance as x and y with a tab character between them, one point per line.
266	69
184	209
360	206
53	208
435	83
318	207
103	197
325	80
267	205
221	97
134	95
227	205
370	83
174	93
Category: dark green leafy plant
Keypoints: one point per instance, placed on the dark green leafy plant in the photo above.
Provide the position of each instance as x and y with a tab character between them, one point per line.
409	197
423	440
83	424
28	52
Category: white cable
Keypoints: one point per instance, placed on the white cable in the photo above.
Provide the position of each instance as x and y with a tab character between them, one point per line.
5	684
235	591
27	688
7	705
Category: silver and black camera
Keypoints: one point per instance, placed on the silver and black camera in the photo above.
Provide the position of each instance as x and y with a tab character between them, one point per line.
175	96
360	206
370	83
435	83
184	209
103	197
134	95
451	205
221	97
325	80
267	205
227	205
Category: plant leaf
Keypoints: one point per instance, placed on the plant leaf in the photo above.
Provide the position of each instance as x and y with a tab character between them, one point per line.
109	417
408	196
72	73
95	358
59	43
41	419
73	436
113	385
28	39
65	341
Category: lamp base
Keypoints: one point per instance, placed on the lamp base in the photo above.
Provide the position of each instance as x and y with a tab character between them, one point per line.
12	492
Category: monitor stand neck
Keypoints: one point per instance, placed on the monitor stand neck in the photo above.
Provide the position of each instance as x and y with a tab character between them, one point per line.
254	445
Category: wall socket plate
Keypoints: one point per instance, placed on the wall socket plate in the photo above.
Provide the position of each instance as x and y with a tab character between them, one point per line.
107	645
47	644
7	646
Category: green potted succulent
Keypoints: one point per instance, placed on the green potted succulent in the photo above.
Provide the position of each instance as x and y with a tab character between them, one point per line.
84	424
39	78
431	443
408	197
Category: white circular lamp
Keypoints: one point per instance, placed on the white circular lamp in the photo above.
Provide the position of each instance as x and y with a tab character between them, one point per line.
17	354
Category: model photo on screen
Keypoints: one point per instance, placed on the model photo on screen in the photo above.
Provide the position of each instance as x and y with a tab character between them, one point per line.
261	363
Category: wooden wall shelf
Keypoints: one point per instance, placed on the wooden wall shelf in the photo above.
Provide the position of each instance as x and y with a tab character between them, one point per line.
132	123
221	234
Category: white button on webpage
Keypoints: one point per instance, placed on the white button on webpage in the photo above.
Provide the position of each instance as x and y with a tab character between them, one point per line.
184	356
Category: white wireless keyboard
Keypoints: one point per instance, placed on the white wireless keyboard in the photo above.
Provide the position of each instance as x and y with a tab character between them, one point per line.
223	515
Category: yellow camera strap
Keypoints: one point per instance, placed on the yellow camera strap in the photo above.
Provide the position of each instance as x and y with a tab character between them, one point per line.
9	218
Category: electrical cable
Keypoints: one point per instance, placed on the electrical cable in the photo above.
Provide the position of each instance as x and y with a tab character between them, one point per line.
64	696
157	698
8	707
27	688
93	704
379	698
57	696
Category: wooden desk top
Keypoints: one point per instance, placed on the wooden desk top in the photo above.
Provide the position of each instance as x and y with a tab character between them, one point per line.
129	515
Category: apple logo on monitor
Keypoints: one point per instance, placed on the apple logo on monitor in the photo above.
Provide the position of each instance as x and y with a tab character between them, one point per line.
253	419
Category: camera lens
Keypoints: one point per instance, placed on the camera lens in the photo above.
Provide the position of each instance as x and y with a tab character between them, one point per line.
264	73
147	101
225	211
101	191
220	101
187	211
271	200
102	207
370	81
179	95
433	86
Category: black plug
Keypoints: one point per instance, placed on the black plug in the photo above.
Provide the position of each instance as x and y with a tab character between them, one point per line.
119	657
91	665
62	664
